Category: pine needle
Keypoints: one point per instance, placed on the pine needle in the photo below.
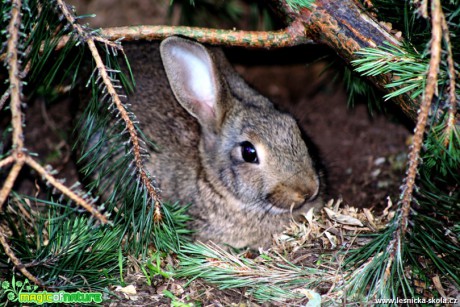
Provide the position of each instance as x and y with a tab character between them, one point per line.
269	279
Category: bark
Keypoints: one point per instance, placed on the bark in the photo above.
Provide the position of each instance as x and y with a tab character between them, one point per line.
346	27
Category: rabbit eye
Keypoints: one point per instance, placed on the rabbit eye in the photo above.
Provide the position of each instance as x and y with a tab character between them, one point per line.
248	152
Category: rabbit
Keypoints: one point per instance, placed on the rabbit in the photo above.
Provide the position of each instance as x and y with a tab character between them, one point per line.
222	147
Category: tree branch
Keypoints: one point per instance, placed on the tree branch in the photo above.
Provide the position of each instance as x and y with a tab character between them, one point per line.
17	263
15	99
346	28
414	155
16	119
4	98
13	74
80	201
9	182
7	161
291	36
19	154
452	84
432	79
115	98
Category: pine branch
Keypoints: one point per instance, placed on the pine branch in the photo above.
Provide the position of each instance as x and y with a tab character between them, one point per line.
65	249
288	37
432	77
383	267
14	73
131	128
9	182
408	68
452	110
86	204
4	98
347	28
271	279
344	26
17	263
291	36
19	153
15	100
115	98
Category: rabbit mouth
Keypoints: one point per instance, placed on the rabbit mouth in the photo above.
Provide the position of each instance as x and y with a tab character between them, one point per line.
283	200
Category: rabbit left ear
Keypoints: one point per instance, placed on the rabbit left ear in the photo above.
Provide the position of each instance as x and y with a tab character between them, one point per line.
193	78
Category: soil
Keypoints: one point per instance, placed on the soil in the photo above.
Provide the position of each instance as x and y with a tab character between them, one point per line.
363	155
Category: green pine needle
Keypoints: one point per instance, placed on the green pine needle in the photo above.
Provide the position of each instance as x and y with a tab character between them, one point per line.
408	68
297	5
440	158
67	250
367	269
270	279
359	87
107	161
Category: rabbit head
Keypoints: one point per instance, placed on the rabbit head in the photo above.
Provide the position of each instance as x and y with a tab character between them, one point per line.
253	155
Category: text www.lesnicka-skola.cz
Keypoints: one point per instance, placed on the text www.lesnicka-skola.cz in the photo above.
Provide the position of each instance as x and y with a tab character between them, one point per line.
417	300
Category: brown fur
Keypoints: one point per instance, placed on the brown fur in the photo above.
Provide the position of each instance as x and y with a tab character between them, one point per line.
199	160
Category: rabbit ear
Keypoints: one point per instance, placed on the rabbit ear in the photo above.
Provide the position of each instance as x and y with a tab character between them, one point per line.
193	78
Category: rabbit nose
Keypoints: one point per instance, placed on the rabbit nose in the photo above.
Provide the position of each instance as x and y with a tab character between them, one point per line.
286	197
305	196
311	196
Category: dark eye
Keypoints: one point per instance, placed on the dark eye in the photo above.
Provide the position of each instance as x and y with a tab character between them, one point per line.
248	152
